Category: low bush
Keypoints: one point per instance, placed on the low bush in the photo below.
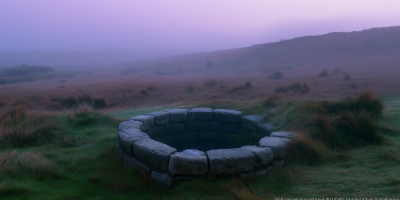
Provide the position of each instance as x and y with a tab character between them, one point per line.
190	88
99	103
294	87
85	99
238	88
323	73
271	101
69	102
144	92
346	77
210	83
276	75
151	88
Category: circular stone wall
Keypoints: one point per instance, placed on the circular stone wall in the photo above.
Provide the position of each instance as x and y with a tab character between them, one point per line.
142	143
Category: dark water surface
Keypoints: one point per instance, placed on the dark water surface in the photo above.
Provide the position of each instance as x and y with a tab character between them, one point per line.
203	144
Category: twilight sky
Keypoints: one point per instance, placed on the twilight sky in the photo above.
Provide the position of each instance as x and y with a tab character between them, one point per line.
180	25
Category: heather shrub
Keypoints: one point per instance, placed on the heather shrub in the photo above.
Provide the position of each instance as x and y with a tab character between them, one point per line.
294	87
276	75
151	88
85	99
323	73
346	77
190	88
144	92
271	101
353	86
210	83
99	103
69	102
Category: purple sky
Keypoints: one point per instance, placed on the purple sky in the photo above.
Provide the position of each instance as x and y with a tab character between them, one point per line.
180	25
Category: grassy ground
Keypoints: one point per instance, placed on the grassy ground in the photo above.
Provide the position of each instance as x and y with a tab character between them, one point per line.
76	160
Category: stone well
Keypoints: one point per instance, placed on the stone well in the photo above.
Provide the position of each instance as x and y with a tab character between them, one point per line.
143	143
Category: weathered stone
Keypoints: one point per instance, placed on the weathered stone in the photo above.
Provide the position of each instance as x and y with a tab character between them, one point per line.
279	162
127	137
160	117
264	129
156	131
119	153
278	145
177	115
147	120
243	131
132	162
230	161
250	122
188	162
203	126
175	128
200	114
262	172
246	175
187	136
153	154
166	180
263	155
229	116
282	134
131	124
231	128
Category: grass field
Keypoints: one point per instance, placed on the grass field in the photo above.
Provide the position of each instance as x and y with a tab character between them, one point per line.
71	155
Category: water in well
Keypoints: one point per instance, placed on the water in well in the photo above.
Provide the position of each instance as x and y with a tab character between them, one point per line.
209	143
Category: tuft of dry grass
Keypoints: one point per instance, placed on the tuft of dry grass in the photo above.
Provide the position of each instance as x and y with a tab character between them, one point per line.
294	87
271	101
276	75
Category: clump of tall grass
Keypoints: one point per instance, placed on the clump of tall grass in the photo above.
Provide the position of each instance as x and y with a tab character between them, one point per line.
328	126
29	162
346	77
294	87
271	101
238	88
20	127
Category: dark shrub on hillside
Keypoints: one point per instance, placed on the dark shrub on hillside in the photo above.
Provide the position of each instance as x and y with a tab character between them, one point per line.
99	103
248	85
323	73
151	88
353	86
276	75
190	88
209	82
69	102
85	99
366	101
294	87
271	101
2	104
346	77
336	71
144	92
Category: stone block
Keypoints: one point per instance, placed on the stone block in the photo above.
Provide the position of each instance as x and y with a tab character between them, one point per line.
282	134
132	162
250	122
156	131
263	155
187	136
177	115
229	116
129	161
278	145
200	114
203	126
264	129
244	131
246	175
119	153
175	128
127	137
166	180
230	161
153	154
279	162
263	171
147	120
160	117
131	124
230	128
188	162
